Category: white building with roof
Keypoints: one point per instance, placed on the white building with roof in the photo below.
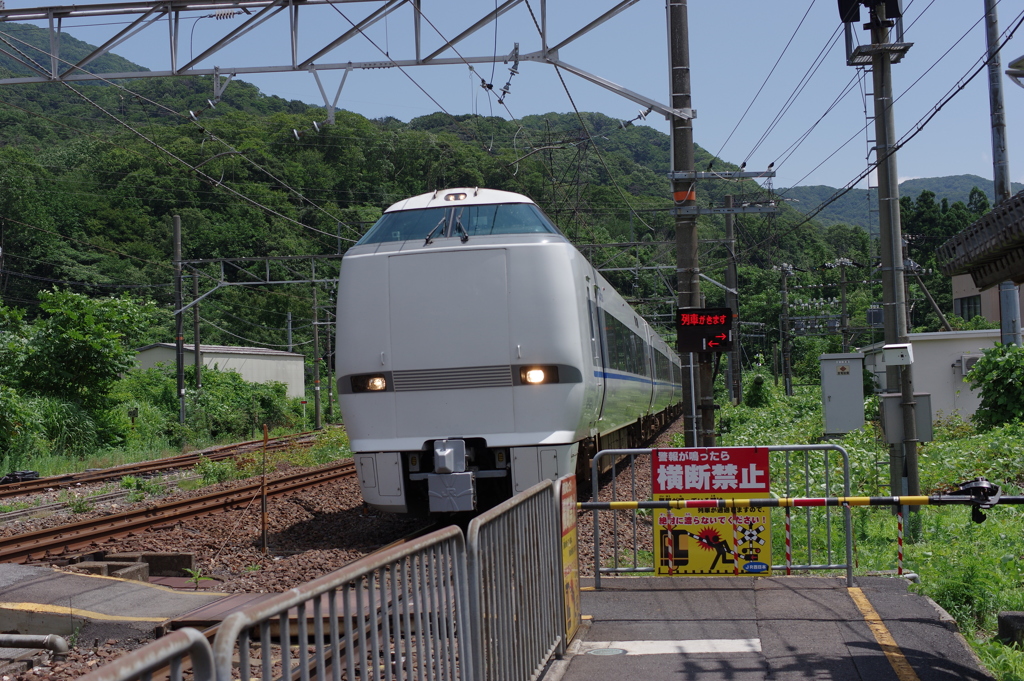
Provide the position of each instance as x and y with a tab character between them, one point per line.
257	365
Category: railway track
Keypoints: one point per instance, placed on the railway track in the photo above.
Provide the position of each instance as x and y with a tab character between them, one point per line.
54	541
16	489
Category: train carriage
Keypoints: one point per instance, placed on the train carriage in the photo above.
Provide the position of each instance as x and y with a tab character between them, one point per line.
478	352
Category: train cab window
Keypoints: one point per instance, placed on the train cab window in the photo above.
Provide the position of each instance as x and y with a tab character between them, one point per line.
504	218
406	225
499	218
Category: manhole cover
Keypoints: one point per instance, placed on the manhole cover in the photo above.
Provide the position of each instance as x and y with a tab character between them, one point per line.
607	651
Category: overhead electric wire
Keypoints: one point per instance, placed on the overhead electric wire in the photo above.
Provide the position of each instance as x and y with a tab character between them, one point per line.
766	79
896	99
907	137
792	148
250	340
86	243
586	129
803	83
83	284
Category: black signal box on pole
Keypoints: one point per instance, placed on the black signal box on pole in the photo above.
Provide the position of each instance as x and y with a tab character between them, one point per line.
707	329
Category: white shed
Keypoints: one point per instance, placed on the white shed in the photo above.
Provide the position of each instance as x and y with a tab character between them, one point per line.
257	365
940	361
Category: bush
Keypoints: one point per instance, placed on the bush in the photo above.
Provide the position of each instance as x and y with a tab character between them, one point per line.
67	428
758	393
999	376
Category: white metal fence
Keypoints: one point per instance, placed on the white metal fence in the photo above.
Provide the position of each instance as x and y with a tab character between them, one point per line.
516	573
805	477
398	615
437	608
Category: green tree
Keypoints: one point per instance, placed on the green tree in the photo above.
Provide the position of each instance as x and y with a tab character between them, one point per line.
79	347
999	376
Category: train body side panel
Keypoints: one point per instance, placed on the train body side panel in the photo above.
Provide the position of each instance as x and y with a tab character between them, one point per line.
546	329
363	346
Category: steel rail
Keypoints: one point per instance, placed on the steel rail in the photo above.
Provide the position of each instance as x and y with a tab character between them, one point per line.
55	540
16	489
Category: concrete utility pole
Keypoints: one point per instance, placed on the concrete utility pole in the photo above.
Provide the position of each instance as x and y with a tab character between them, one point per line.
787	365
844	316
903	470
179	321
317	423
195	331
1009	297
700	406
735	373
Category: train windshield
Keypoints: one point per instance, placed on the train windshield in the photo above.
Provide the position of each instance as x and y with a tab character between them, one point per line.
498	218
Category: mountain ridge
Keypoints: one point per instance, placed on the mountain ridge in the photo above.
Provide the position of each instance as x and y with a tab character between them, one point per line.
856	206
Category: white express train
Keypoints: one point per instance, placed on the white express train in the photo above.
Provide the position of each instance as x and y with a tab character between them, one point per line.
478	353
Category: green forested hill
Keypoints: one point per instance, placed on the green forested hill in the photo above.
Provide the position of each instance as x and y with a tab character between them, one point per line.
91	175
33	46
853	208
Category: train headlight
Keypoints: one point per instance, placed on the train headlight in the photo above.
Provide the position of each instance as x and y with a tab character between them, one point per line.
369	383
538	375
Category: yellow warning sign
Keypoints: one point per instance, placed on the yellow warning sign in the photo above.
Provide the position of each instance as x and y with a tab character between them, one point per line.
570	557
710	540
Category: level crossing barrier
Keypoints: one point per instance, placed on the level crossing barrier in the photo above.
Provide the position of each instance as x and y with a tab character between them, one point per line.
515	571
804	474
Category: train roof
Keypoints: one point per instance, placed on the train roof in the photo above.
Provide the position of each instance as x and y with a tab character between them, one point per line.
462	196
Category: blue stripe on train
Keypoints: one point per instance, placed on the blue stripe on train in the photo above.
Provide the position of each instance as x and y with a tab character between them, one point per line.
628	377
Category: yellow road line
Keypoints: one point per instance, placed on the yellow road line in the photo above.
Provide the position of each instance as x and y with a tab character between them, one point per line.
886	642
77	612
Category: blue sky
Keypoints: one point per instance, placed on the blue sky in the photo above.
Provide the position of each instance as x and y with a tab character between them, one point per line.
734	46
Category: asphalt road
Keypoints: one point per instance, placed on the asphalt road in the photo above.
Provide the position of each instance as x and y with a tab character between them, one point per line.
753	629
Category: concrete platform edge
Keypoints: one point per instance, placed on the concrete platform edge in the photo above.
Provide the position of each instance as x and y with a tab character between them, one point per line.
950	623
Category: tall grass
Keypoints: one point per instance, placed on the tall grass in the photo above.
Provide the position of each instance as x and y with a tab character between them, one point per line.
972	570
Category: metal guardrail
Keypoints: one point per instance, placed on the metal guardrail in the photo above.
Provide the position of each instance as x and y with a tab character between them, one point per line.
439	608
825	482
515	572
174	650
397	615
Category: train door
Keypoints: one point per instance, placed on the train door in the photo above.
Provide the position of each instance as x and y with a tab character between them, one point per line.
648	358
597	347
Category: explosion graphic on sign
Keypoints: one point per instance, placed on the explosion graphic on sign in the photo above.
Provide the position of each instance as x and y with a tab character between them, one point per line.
708	538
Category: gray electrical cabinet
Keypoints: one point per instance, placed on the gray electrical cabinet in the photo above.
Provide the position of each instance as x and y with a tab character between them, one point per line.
892	416
842	392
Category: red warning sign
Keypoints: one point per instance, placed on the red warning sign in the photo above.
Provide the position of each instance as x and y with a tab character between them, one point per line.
711	541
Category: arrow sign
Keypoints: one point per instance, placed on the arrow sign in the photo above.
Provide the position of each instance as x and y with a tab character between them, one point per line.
704	329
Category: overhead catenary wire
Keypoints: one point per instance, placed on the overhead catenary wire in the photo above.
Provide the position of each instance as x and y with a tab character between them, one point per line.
797	90
250	340
757	94
916	129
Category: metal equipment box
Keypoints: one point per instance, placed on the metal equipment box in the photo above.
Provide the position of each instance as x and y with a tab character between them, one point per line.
892	416
842	392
